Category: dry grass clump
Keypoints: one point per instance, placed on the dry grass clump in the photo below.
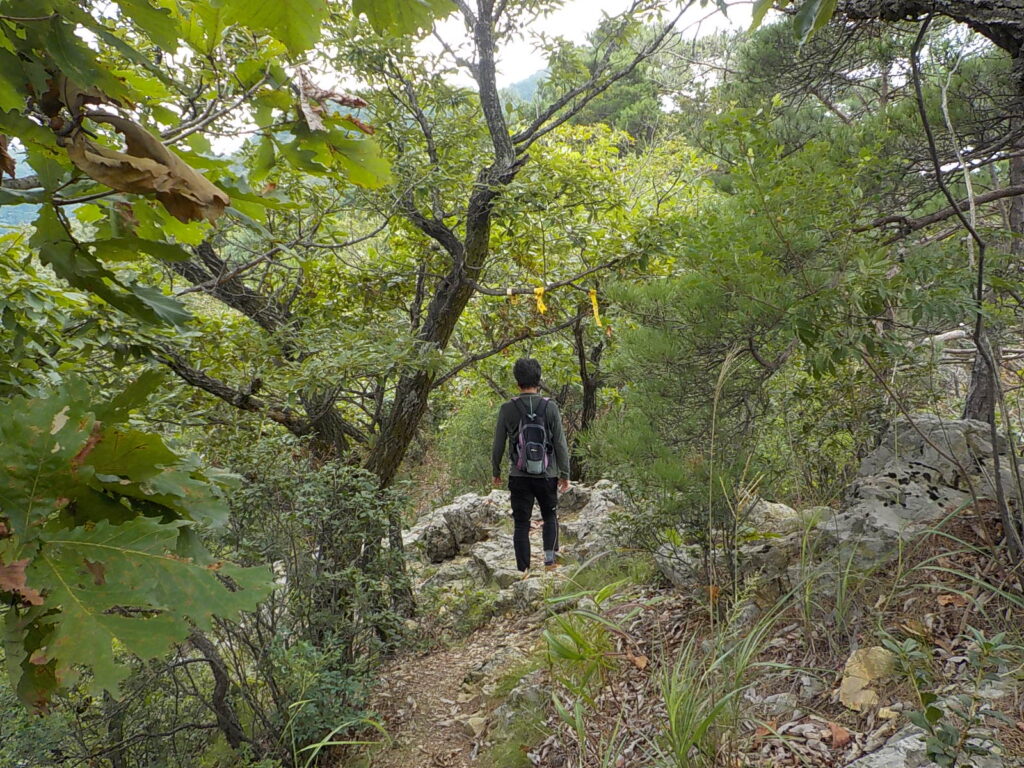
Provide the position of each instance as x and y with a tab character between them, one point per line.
646	677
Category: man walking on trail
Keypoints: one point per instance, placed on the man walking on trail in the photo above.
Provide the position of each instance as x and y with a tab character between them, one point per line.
532	427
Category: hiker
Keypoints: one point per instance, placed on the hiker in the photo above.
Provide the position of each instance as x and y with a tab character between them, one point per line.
532	427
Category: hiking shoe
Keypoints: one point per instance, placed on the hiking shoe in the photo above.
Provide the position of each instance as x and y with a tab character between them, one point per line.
551	566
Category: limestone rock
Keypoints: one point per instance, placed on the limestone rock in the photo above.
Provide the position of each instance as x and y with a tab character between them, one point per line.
494	561
531	694
444	532
475	726
529	593
456	570
589	531
489	669
917	475
573	500
679	564
906	749
766	515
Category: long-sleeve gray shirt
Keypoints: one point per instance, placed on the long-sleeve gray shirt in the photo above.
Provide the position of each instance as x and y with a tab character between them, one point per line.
507	428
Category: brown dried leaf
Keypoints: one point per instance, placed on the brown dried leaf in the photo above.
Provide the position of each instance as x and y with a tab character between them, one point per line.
348	100
311	113
840	736
147	167
6	161
956	600
862	668
12	579
312	98
360	125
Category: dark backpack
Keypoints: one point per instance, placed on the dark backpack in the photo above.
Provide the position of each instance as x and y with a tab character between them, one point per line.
532	448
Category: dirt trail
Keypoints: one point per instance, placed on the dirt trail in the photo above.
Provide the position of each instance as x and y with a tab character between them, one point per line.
431	702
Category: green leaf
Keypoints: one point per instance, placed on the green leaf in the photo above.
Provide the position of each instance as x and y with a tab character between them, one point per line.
12	83
296	23
263	160
81	269
359	159
134	396
362	162
78	61
812	16
163	306
402	17
129	249
125	583
607	591
559	647
21	196
38	440
159	23
761	7
130	454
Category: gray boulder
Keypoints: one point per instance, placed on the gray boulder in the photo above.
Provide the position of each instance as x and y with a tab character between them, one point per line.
531	695
494	561
447	531
588	530
906	749
919	474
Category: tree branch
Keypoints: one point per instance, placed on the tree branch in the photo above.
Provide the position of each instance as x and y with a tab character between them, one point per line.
908	225
504	345
242	400
546	286
590	89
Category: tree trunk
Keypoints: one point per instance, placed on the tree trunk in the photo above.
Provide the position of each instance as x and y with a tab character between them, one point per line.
227	718
981	401
113	710
450	299
981	395
590	379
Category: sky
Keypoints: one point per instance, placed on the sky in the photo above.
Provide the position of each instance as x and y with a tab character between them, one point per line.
574	20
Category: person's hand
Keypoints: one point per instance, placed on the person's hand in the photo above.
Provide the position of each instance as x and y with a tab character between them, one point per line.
496	482
563	484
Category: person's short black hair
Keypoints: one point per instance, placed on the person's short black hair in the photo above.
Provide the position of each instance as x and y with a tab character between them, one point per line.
527	372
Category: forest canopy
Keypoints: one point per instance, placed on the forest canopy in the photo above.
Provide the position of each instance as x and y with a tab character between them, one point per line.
266	265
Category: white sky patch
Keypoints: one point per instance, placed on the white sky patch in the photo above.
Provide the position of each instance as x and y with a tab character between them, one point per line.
519	58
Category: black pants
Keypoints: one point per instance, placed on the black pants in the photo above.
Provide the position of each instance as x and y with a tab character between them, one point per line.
524	490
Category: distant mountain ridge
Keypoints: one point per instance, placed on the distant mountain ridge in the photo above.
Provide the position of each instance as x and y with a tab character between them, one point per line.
525	91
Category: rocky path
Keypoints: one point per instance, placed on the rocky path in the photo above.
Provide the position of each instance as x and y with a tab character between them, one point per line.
436	705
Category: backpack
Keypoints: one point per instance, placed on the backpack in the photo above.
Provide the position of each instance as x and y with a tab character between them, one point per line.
532	448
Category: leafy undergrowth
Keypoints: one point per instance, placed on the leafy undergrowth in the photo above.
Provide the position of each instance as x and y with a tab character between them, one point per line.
638	675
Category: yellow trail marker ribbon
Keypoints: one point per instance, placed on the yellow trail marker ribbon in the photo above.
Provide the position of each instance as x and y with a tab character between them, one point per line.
539	293
593	303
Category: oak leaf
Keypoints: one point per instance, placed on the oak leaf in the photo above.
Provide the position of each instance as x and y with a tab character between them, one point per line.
12	579
147	167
